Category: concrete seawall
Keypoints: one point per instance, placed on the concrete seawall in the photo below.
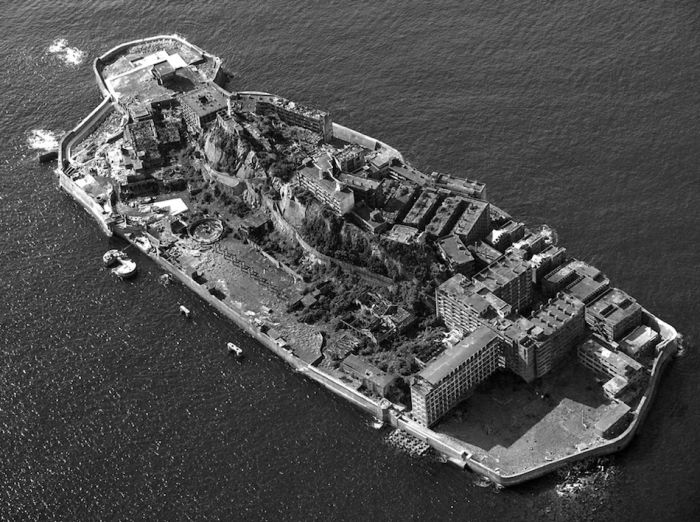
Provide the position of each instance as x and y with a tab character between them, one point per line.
353	136
89	204
121	48
82	130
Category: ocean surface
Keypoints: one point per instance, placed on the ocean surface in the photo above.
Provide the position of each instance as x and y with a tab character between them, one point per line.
582	114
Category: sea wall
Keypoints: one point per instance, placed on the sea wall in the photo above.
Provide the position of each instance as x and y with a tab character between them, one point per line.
336	386
82	130
668	350
353	136
89	204
114	52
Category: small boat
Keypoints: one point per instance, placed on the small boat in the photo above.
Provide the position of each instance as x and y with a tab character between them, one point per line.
111	257
185	311
235	350
125	269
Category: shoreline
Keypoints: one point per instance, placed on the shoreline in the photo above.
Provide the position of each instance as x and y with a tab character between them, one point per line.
460	454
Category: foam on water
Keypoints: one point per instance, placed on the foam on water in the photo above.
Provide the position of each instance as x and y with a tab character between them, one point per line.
68	55
42	139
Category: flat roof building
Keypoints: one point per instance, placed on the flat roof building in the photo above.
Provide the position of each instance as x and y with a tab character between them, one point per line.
475	222
461	186
451	376
403	234
510	278
374	379
456	255
614	314
579	279
604	361
201	106
446	216
327	189
483	253
504	236
422	210
398	199
639	342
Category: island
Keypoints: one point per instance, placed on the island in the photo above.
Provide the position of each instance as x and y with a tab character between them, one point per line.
472	336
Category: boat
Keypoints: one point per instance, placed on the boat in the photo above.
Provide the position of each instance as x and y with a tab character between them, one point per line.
111	257
235	350
125	268
185	311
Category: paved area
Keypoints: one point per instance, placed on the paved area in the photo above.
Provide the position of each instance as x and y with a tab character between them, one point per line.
517	426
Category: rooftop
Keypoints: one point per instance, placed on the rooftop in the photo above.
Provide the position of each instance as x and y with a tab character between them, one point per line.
449	210
454	356
502	271
614	306
454	249
422	208
204	100
623	363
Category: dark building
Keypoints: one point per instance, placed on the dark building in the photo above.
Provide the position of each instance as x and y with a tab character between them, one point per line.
483	254
422	210
614	314
374	379
509	278
456	255
141	140
200	107
474	223
446	216
581	280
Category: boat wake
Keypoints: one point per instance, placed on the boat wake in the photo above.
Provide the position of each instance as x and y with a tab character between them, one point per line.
65	53
41	139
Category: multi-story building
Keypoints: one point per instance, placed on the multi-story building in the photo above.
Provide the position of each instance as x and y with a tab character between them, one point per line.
456	255
563	325
614	314
398	199
579	279
449	378
467	306
365	189
639	342
201	107
422	210
509	278
461	186
483	253
546	261
504	236
351	158
619	367
289	112
475	222
326	189
372	378
141	139
446	216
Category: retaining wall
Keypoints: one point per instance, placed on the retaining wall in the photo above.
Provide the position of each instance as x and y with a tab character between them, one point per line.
82	130
119	49
367	275
353	136
89	204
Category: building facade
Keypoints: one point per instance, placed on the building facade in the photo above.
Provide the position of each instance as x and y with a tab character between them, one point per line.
450	378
